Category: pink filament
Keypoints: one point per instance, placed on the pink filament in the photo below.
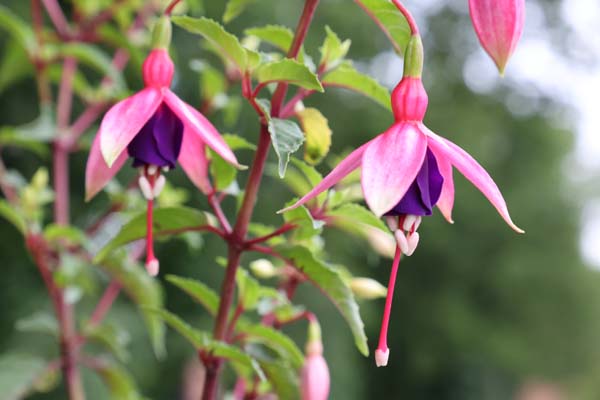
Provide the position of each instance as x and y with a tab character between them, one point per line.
388	302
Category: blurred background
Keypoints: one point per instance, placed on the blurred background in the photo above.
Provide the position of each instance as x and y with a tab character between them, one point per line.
479	312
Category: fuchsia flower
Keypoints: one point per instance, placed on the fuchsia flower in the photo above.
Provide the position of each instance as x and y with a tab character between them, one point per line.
157	130
314	377
498	24
407	170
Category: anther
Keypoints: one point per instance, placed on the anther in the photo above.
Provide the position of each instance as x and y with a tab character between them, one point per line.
411	223
392	222
152	169
381	357
159	185
412	241
152	266
146	188
402	241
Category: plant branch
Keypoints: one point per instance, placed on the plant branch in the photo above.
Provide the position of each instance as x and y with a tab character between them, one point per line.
57	17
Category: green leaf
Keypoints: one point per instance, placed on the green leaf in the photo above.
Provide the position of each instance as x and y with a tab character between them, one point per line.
111	337
354	213
40	322
346	76
14	66
212	84
318	134
119	382
390	20
235	8
144	291
289	71
249	289
282	378
287	138
333	49
55	232
333	286
276	340
276	35
236	142
18	373
222	172
198	291
41	129
13	216
307	227
227	44
167	221
18	28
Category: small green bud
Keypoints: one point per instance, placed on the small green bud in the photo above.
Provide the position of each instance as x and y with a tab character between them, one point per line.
314	345
161	35
413	58
263	268
367	288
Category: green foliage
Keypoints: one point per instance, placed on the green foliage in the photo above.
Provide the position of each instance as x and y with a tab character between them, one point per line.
346	76
288	71
234	8
333	49
390	20
111	337
118	381
18	29
169	220
333	286
318	134
287	138
279	36
18	373
274	339
198	291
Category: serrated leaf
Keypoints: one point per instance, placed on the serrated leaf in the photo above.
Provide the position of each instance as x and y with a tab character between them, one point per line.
306	225
198	291
355	213
282	378
287	138
390	20
144	291
18	373
234	8
278	341
317	132
167	221
118	381
18	28
12	215
333	286
276	35
288	71
227	43
333	49
348	77
40	322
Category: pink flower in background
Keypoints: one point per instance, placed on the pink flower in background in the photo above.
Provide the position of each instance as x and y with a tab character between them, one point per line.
498	24
157	130
314	377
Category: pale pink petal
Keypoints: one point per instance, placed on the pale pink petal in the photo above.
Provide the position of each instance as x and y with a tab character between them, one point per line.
390	165
446	200
97	172
192	159
124	120
346	166
199	125
473	172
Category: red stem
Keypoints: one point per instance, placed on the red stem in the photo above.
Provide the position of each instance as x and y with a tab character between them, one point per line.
239	310
280	231
61	184
105	303
57	17
409	18
388	302
171	6
65	94
216	206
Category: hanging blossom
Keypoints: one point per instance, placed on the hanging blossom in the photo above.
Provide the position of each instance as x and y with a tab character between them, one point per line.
407	171
499	25
157	130
314	377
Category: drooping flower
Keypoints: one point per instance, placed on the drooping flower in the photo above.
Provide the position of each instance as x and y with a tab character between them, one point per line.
407	170
314	377
157	130
498	24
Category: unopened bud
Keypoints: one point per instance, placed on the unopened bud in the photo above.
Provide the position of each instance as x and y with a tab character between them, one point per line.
263	268
314	379
367	288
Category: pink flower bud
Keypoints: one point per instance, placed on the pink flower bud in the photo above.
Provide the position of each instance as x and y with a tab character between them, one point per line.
498	24
158	69
409	100
315	378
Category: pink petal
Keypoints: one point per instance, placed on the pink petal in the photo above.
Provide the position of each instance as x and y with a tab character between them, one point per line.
346	166
390	165
192	159
498	24
124	120
197	124
97	173
446	200
473	172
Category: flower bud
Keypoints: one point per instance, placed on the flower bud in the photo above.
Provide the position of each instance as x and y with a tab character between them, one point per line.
409	100
263	268
314	379
498	24
367	288
158	69
413	58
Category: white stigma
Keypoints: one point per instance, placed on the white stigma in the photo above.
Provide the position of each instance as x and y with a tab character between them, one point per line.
381	357
159	185
152	267
146	188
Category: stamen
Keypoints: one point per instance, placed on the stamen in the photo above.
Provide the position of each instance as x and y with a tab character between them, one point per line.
413	241
152	169
146	188
383	352
152	264
401	241
159	185
392	222
409	222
